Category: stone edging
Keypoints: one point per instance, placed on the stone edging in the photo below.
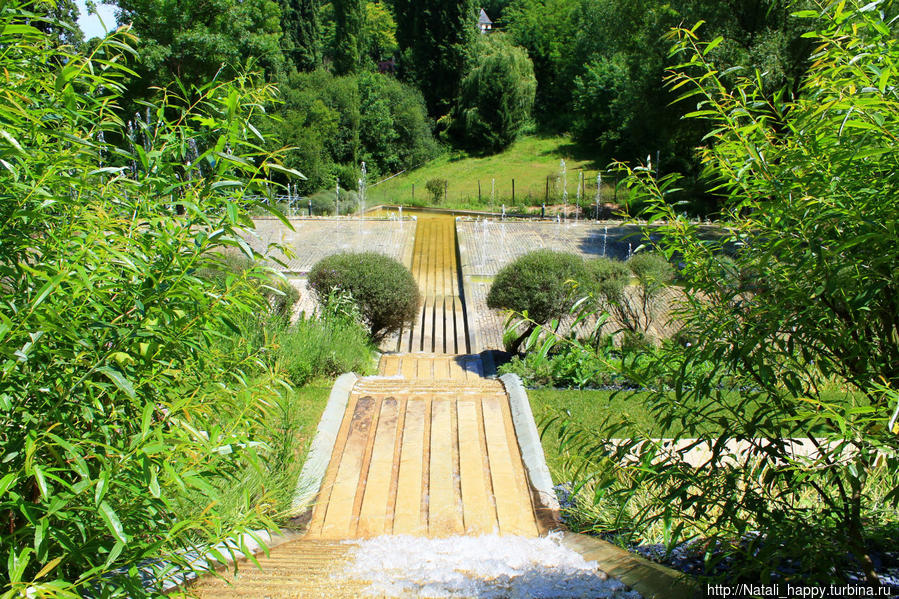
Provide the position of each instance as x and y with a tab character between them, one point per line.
651	580
531	448
310	480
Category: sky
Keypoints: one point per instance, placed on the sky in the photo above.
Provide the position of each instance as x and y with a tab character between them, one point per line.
90	24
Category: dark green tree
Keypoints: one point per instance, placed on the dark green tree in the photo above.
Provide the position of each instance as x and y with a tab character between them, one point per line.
349	20
496	96
194	40
301	33
435	38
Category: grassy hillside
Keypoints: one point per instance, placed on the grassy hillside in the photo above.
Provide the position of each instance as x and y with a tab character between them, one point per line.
530	161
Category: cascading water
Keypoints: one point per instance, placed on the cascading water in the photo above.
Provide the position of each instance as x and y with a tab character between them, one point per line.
489	567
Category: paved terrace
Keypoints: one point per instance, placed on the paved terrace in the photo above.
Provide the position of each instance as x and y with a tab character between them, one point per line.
315	238
485	246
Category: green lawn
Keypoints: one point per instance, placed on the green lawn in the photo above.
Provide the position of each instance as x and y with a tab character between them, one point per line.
591	408
308	403
529	161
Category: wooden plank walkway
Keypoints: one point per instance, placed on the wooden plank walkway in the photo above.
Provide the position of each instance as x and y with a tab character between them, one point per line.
432	454
440	326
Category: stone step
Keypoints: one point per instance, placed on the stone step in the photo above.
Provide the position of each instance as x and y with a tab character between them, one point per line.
439	367
403	387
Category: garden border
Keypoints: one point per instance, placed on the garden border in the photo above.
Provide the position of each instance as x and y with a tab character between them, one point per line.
313	473
547	508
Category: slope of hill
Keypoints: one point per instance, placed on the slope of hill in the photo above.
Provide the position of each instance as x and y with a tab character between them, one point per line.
532	162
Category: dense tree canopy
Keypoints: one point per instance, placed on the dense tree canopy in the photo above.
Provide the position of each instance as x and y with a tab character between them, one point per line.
301	33
333	123
496	96
59	21
349	43
436	39
194	40
600	65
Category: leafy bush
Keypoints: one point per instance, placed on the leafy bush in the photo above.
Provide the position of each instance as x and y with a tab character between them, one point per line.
436	188
796	173
279	294
383	289
540	284
635	307
335	122
324	202
114	402
608	277
566	368
324	345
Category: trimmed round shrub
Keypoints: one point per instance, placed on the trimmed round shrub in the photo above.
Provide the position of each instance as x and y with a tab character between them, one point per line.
652	270
539	283
608	277
382	288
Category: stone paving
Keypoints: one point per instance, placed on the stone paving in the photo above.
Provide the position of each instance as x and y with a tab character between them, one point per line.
316	238
485	246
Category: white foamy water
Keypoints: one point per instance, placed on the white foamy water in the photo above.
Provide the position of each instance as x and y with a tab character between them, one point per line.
489	567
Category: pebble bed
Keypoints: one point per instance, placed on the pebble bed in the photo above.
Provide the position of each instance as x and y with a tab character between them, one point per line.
488	567
688	557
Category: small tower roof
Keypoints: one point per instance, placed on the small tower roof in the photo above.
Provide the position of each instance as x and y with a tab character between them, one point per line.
483	19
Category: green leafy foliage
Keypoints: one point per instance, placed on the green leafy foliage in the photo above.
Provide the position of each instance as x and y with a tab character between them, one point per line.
316	346
599	65
383	289
804	306
301	41
349	28
115	402
379	32
436	188
540	284
279	294
334	123
193	41
435	38
496	96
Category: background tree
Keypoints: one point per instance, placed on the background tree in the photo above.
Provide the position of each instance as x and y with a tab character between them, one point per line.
379	31
59	20
496	96
301	39
436	38
194	40
349	35
599	66
334	122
